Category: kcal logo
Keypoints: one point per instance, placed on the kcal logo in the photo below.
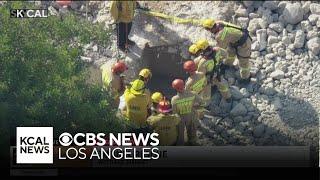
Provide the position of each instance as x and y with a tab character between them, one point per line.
34	145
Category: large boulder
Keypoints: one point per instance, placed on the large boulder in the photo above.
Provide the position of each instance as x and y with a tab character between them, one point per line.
293	13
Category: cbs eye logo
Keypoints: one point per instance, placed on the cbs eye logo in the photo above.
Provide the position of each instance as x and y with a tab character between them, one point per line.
65	139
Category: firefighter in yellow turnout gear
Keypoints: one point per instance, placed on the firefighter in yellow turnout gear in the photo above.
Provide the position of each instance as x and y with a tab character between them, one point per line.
114	80
137	104
236	40
197	82
165	124
184	104
210	61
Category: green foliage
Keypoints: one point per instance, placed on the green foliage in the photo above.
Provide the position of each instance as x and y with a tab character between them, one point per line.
42	79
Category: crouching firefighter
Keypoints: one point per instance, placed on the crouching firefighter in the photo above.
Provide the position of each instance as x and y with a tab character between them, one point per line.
114	80
211	63
137	105
165	124
184	104
236	41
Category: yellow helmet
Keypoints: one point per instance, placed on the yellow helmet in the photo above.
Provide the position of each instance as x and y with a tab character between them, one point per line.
156	97
208	23
137	86
193	49
146	73
202	44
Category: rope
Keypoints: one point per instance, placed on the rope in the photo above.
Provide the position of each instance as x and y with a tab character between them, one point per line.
173	19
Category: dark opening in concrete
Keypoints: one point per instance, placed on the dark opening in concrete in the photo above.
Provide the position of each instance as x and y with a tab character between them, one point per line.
165	66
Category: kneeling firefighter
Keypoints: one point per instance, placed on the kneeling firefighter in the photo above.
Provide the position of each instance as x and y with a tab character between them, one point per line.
137	105
212	64
236	40
165	124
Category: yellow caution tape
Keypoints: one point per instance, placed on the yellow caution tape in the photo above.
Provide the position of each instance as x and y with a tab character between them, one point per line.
173	18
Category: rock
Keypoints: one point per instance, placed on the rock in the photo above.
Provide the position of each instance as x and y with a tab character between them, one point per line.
281	6
95	48
293	13
235	92
253	15
272	40
225	106
262	38
277	104
255	46
315	8
318	23
248	3
269	69
299	39
238	110
277	26
313	45
254	24
266	16
312	34
271	32
243	22
306	7
313	18
306	26
86	59
277	74
286	40
271	5
259	130
241	12
245	92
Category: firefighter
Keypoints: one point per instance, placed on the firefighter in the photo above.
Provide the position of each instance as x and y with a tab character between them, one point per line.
156	98
123	14
114	80
145	75
236	41
165	124
184	104
137	104
212	64
197	82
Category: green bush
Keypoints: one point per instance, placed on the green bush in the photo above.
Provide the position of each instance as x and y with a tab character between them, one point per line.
43	80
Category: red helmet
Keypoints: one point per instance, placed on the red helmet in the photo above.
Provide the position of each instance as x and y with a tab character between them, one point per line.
189	66
64	3
178	85
119	67
164	106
